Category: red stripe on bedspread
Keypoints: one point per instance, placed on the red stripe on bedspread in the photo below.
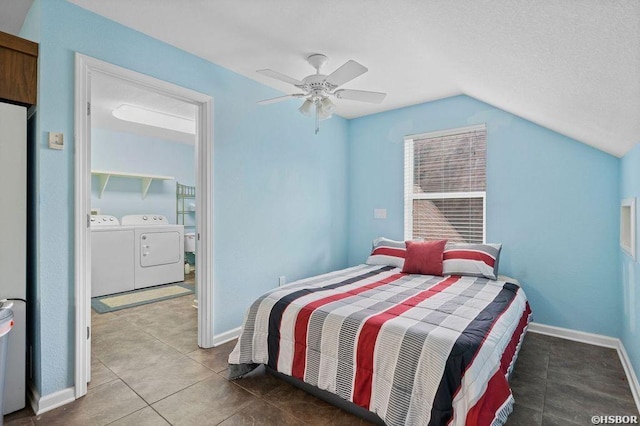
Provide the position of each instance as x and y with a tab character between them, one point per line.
510	350
497	393
469	255
369	335
485	410
302	322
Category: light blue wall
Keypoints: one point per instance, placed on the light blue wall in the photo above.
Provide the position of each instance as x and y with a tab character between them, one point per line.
126	152
287	202
280	197
551	201
630	187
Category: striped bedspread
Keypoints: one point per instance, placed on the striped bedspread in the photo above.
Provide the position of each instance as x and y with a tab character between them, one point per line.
414	349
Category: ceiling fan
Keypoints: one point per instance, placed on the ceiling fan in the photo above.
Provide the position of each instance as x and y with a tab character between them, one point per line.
319	88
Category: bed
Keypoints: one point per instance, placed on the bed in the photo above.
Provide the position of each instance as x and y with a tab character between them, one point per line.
413	349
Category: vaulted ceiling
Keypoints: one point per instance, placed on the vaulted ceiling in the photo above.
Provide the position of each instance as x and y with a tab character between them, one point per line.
572	66
12	14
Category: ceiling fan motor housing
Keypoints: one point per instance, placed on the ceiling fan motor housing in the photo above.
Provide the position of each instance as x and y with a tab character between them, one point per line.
317	86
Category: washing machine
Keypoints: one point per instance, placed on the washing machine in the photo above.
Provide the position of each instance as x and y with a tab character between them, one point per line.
112	256
158	250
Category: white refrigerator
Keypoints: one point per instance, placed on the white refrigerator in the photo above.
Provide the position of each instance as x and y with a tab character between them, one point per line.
13	244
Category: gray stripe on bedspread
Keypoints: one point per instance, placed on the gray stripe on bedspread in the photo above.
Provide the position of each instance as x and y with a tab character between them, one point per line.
314	342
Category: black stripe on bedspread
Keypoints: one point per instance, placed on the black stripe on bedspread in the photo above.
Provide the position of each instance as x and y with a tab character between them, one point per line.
464	351
275	316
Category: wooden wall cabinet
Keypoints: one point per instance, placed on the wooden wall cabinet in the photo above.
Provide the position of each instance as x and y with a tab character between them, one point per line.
18	69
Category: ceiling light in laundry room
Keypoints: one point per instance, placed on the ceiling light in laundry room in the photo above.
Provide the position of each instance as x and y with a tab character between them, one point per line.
150	117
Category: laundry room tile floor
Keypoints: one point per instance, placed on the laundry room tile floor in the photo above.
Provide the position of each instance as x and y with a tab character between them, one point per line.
148	370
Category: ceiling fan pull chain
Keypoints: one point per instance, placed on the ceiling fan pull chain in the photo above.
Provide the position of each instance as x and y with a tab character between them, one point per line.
317	118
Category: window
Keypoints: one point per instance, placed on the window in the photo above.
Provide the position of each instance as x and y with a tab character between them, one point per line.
445	185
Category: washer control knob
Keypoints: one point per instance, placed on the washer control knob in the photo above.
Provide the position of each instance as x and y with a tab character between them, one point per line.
144	218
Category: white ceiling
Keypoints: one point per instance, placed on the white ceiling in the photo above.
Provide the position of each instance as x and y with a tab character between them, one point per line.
108	93
572	66
12	14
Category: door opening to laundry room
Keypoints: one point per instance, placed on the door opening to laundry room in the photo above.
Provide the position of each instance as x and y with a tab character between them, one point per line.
144	253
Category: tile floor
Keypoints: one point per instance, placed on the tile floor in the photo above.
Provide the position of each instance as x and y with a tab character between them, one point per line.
148	370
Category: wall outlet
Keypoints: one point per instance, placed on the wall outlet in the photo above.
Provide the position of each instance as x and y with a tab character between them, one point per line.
282	281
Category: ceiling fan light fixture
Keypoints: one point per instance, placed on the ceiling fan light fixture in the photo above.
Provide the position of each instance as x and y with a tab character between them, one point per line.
323	113
327	105
323	117
306	108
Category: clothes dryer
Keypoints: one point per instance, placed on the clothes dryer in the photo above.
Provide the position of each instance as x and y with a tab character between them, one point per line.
158	250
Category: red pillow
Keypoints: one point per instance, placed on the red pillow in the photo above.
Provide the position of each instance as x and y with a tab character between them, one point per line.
424	257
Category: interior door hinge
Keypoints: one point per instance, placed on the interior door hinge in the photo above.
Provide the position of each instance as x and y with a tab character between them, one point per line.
88	332
198	236
88	221
88	108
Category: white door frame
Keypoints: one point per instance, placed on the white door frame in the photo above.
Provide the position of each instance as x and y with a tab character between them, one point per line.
85	67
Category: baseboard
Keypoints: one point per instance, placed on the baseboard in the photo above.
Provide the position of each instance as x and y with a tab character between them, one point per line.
597	340
575	335
42	404
631	374
227	336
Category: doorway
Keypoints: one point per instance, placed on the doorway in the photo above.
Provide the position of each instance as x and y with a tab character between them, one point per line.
89	71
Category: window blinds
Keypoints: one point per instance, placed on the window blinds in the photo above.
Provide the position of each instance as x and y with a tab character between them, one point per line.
445	185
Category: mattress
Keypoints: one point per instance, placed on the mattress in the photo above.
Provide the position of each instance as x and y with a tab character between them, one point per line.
413	349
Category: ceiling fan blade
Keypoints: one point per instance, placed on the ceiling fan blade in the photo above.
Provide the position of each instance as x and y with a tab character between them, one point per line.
281	77
280	99
347	72
360	95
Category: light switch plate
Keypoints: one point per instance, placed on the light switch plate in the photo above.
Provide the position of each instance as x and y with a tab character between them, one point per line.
56	140
379	213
